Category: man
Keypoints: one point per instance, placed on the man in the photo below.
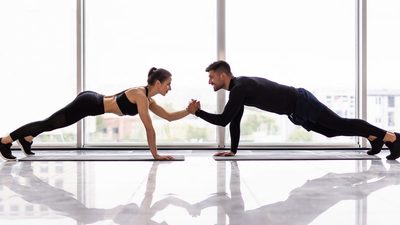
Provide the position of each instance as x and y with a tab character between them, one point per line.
301	107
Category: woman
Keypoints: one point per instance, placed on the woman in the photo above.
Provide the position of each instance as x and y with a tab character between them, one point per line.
137	100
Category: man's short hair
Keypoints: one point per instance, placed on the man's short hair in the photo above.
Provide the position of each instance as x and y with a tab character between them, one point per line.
220	66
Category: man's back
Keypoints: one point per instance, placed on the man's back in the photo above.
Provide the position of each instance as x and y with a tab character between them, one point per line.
263	94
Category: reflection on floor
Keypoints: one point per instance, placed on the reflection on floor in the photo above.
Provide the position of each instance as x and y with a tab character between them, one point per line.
200	190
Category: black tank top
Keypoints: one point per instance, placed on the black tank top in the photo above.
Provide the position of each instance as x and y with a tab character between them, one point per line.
126	106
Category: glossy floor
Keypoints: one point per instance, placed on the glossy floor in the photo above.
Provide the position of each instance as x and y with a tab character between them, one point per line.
202	191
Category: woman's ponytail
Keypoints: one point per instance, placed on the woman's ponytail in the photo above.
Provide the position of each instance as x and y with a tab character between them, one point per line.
157	74
151	71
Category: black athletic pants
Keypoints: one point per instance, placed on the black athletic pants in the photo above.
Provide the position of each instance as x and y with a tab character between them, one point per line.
87	103
313	115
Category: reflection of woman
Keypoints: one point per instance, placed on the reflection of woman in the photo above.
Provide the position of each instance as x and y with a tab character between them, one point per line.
136	100
36	191
63	202
143	213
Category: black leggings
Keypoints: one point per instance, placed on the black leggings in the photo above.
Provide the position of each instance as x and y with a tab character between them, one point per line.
87	103
331	125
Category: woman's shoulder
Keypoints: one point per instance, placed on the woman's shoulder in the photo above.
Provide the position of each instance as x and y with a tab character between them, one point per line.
136	94
135	91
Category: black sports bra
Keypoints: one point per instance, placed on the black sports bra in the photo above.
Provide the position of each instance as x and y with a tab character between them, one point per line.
126	106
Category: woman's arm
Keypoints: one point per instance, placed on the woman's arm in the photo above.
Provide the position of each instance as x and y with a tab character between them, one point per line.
143	107
170	116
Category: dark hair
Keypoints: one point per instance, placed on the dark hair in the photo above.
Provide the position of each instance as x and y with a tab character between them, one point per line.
220	66
157	75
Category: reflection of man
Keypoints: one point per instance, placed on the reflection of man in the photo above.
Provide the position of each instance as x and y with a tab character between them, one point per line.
298	104
59	200
307	202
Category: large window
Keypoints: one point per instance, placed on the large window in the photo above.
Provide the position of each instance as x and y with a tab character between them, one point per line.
310	44
383	63
124	39
37	64
297	43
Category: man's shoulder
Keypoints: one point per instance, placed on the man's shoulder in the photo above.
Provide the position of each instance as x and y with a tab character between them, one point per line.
250	78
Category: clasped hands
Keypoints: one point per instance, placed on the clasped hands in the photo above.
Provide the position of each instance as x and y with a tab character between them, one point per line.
193	106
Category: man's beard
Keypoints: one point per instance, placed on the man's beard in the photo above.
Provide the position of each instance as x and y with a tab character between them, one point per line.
217	88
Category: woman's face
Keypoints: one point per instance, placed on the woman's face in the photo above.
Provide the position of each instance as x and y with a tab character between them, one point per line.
165	86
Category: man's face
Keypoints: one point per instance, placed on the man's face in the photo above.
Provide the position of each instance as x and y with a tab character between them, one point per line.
215	79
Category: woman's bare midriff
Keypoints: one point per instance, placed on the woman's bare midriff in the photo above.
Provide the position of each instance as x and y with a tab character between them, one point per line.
110	105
